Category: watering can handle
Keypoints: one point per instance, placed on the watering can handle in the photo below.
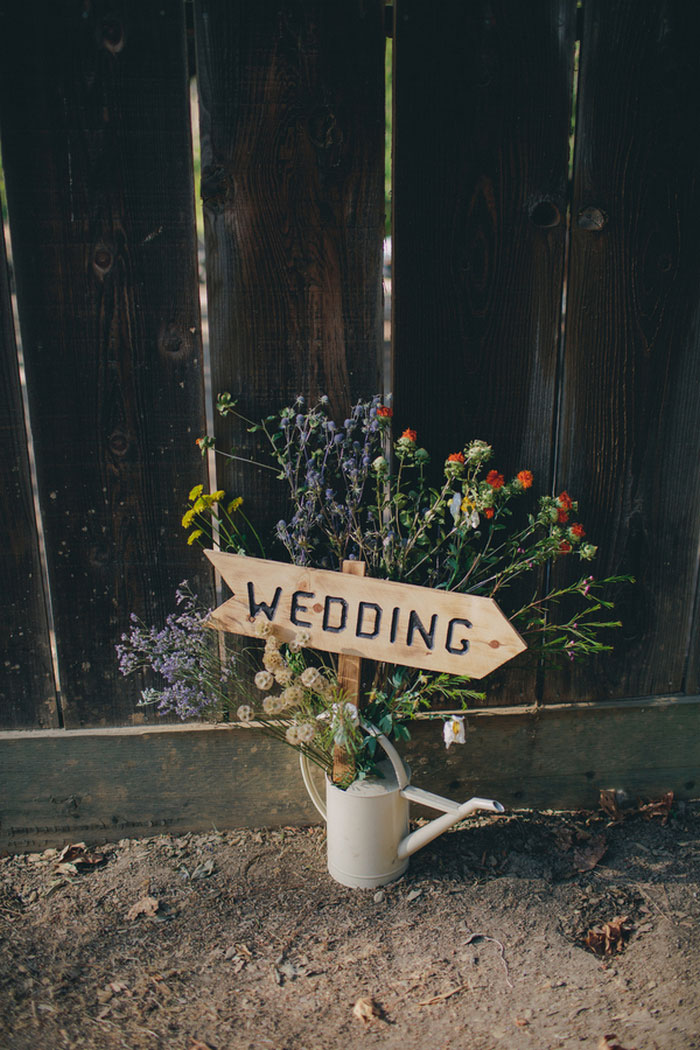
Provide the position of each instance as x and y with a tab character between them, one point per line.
311	788
391	752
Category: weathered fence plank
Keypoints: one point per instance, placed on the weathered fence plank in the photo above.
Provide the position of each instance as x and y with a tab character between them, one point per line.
102	784
292	126
630	423
27	690
480	200
94	111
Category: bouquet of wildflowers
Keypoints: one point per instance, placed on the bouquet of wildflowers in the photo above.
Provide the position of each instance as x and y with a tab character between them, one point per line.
354	493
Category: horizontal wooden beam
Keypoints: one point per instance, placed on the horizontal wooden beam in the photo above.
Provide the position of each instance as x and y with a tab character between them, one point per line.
104	784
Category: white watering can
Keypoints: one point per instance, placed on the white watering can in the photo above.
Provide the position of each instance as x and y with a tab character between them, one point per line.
369	843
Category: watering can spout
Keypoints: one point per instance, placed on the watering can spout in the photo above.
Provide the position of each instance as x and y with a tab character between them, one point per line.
453	812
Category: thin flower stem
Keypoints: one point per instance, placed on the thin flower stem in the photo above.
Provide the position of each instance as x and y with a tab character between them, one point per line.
254	532
244	459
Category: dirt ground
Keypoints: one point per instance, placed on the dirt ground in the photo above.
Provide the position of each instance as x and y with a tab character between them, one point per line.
241	940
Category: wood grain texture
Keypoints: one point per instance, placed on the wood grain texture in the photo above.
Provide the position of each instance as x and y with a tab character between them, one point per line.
102	785
350	667
480	200
366	618
94	109
480	194
630	421
27	689
292	124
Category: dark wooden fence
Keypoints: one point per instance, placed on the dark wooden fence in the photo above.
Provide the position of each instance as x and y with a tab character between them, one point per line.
494	230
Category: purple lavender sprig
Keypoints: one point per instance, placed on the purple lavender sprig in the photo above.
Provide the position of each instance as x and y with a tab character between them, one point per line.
185	653
329	473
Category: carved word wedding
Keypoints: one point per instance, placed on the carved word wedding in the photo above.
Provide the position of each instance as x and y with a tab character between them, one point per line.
364	617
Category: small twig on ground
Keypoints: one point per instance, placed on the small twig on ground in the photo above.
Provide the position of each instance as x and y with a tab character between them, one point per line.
660	910
502	952
446	995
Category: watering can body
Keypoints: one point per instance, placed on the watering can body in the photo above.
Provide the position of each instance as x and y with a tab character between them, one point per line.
368	839
365	825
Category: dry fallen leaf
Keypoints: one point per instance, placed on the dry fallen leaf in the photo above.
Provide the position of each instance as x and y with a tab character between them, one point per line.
609	1042
66	869
608	938
203	870
564	838
74	850
587	855
146	906
660	807
366	1010
77	855
608	803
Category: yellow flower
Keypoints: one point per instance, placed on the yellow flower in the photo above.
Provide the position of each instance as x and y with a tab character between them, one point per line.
471	514
195	492
200	504
218	495
187	518
234	504
194	535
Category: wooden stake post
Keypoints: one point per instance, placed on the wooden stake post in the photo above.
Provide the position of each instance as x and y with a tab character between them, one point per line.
349	680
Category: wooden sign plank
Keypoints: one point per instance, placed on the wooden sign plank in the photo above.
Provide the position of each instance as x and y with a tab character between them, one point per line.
367	618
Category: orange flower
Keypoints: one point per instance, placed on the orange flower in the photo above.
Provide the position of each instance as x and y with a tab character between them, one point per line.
384	412
565	501
562	516
489	512
409	435
525	478
456	457
564	546
495	480
578	530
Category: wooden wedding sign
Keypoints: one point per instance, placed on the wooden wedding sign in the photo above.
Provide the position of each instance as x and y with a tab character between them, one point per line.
365	618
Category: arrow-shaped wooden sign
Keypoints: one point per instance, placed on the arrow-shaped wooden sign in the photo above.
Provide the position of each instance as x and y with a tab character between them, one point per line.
365	617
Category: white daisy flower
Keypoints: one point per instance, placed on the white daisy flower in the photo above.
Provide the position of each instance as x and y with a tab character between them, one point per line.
453	731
